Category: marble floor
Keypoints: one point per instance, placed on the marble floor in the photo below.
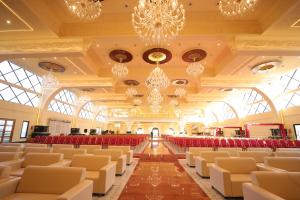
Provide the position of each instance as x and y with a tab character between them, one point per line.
159	176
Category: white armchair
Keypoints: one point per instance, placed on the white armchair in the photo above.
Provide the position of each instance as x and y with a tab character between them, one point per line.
272	186
48	183
126	150
193	152
228	174
100	170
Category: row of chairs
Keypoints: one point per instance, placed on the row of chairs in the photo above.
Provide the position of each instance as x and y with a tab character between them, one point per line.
132	140
184	142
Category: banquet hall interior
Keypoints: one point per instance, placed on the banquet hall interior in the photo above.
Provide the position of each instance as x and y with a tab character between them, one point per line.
149	99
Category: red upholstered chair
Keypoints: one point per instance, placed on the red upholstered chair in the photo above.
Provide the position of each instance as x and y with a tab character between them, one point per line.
246	143
127	140
297	143
210	142
223	143
216	142
253	142
283	143
202	142
269	143
261	143
291	144
276	144
231	142
238	143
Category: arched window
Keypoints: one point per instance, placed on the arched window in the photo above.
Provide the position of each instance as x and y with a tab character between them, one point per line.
222	110
290	92
18	85
63	102
140	131
87	111
249	102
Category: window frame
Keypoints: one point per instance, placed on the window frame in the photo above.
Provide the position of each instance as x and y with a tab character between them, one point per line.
28	122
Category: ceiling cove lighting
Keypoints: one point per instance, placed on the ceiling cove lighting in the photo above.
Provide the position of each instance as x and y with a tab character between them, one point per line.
87	10
157	21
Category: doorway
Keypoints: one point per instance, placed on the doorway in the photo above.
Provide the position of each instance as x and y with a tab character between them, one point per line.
155	132
6	130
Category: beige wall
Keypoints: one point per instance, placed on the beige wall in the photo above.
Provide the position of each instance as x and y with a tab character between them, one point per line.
20	113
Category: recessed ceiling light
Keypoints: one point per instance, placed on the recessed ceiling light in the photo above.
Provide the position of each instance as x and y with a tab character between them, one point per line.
109	63
54	58
218	44
8	21
98	45
265	67
23	58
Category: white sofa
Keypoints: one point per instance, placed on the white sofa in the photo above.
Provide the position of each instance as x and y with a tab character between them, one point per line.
273	186
31	149
233	151
126	150
117	156
57	147
90	148
9	156
70	152
10	148
4	173
100	170
258	156
264	149
287	154
228	174
38	159
287	149
48	183
290	164
206	159
194	151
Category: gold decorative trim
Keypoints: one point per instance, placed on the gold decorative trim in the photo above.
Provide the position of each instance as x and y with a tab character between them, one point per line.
294	25
19	17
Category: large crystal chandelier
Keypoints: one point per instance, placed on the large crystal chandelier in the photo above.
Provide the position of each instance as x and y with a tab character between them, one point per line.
120	70
155	98
195	69
130	92
236	7
180	92
158	20
157	79
49	82
85	9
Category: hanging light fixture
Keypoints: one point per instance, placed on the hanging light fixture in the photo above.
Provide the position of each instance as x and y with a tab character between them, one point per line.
155	98
120	57
236	7
88	10
155	108
174	102
194	69
157	79
49	82
137	102
130	92
180	92
158	20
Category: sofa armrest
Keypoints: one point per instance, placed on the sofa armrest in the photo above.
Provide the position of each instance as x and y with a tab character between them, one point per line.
14	164
83	190
62	163
108	172
262	167
122	158
220	179
251	192
9	187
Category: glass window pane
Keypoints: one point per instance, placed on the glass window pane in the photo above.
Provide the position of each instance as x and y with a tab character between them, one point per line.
24	129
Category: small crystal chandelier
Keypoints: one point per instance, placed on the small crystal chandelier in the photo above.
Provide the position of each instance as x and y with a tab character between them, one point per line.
180	92
157	79
174	102
85	9
155	98
158	20
137	102
195	69
155	108
120	70
235	7
130	92
49	82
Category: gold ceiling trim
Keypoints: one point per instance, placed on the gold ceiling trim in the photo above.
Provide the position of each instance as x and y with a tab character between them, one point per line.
19	17
296	24
76	66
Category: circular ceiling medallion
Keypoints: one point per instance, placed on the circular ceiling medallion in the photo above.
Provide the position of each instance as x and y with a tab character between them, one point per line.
120	56
265	67
179	82
131	82
157	55
194	55
49	66
138	95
